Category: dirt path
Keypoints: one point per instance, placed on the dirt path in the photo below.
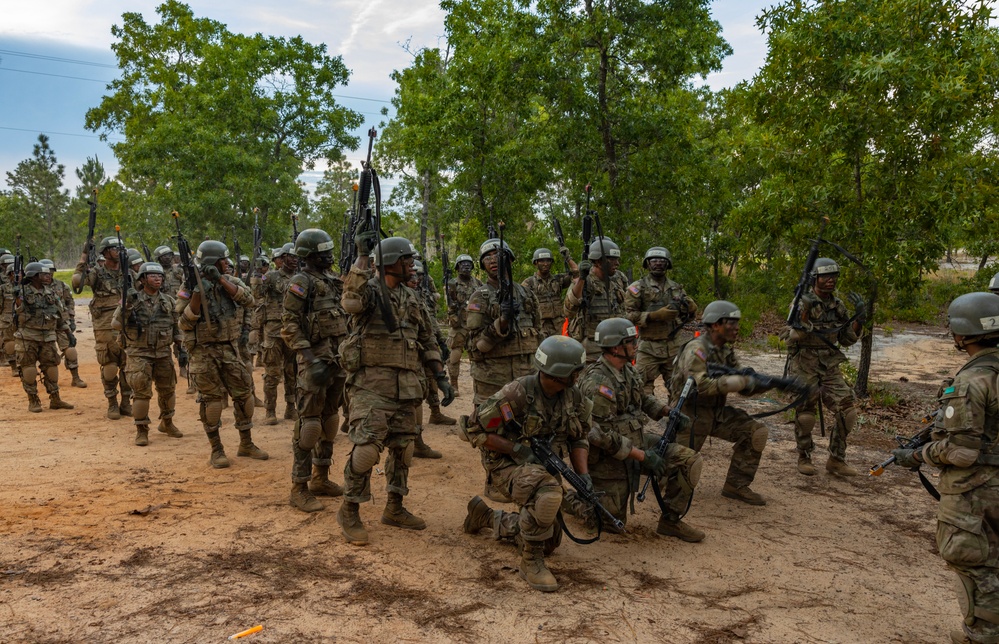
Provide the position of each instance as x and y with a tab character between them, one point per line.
214	552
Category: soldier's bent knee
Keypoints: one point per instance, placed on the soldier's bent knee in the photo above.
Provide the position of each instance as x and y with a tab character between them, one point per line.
363	458
759	440
547	501
805	421
694	469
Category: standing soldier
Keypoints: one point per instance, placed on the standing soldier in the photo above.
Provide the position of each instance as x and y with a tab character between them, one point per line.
149	325
547	288
66	338
39	317
964	447
7	312
814	355
619	450
173	280
595	296
500	349
427	299
459	290
546	403
390	341
278	358
712	417
211	323
105	280
659	308
314	325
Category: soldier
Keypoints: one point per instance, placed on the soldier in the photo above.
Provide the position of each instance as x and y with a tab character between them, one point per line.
244	265
547	288
39	317
389	342
211	323
659	308
500	349
149	324
7	312
619	450
105	280
814	355
173	280
459	290
278	358
964	447
603	296
314	325
547	403
66	339
135	262
421	449
712	417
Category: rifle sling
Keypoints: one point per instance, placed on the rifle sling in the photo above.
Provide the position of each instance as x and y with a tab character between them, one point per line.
582	542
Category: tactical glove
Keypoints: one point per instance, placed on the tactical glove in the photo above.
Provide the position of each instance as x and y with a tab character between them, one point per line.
906	457
859	307
664	314
366	241
211	273
584	269
445	351
445	386
587	481
654	464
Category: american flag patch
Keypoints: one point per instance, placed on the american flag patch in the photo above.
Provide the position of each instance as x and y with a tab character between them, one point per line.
700	354
184	294
297	290
506	411
633	288
606	392
474	306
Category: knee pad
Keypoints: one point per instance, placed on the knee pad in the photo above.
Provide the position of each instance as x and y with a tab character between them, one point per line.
71	355
330	427
694	469
212	414
109	372
966	598
805	421
140	411
52	374
759	441
547	502
243	409
363	458
849	420
309	433
29	373
9	348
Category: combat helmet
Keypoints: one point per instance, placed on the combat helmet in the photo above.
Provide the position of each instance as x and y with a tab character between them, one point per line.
720	310
106	243
7	261
134	257
418	267
161	251
541	253
560	356
613	331
392	249
489	246
609	248
48	263
35	268
975	316
463	258
994	284
312	240
824	266
150	267
657	252
211	251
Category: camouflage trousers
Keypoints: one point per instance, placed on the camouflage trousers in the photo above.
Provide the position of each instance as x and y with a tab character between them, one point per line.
69	354
968	540
378	423
112	359
655	358
216	368
456	343
142	373
821	370
45	355
9	350
319	401
279	364
538	496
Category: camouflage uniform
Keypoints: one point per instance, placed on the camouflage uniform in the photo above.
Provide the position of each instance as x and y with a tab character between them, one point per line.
619	410
314	319
548	291
712	417
659	341
106	285
583	321
816	359
459	290
40	318
7	320
278	358
965	449
173	281
497	359
66	339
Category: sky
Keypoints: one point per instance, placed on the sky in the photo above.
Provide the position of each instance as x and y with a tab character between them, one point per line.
56	59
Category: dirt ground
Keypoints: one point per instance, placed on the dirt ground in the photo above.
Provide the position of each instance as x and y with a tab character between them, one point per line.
104	541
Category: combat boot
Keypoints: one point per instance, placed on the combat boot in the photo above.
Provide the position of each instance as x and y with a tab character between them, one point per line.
77	380
743	494
290	413
247	448
191	388
422	450
142	435
114	413
533	569
270	418
479	517
321	485
34	404
840	467
805	464
302	498
183	371
218	459
680	530
167	427
398	516
55	402
437	418
125	408
454	386
350	523
259	404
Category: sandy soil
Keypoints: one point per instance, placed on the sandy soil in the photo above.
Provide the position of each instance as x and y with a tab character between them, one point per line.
104	541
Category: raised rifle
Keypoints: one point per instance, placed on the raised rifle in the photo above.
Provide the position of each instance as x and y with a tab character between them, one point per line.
372	220
557	467
192	276
18	277
145	250
89	248
671	425
587	238
794	315
294	228
509	306
446	271
238	270
920	438
559	237
258	241
348	250
126	284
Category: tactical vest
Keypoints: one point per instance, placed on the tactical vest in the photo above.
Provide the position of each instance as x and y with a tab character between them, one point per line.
226	319
173	279
40	309
652	297
822	316
598	308
540	421
628	417
274	285
107	290
7	300
150	321
324	315
523	338
990	431
373	345
549	293
462	292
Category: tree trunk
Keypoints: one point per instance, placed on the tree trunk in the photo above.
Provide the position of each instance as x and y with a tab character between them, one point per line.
425	211
866	348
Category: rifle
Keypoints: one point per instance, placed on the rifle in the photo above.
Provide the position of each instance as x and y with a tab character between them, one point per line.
559	237
794	315
126	284
89	248
18	278
373	221
556	466
145	251
239	253
258	241
192	276
670	428
348	250
294	228
587	237
442	248
794	385
920	438
509	306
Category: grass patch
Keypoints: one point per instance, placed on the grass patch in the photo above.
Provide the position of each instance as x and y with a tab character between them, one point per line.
66	276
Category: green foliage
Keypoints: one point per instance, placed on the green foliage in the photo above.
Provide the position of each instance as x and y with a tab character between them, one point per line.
36	206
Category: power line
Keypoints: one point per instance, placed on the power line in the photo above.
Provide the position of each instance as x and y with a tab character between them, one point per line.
25	71
57	59
44	131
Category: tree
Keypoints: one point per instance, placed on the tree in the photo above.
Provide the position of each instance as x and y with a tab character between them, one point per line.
875	112
216	123
38	202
